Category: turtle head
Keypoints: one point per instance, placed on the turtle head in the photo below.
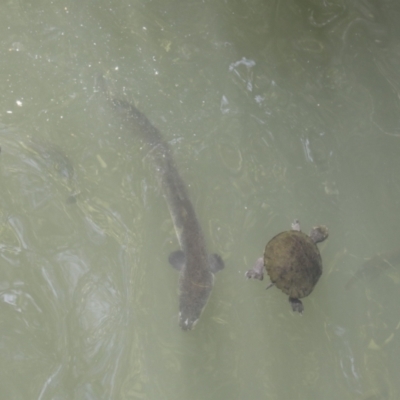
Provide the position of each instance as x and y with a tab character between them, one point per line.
319	233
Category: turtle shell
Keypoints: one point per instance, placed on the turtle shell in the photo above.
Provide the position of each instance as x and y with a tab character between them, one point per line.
293	263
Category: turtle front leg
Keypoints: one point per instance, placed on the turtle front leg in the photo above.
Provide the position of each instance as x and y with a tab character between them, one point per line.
257	272
296	304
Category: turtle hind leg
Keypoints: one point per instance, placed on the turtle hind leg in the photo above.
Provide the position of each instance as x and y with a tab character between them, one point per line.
296	304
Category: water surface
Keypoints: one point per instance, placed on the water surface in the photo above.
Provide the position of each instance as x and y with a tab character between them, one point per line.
274	110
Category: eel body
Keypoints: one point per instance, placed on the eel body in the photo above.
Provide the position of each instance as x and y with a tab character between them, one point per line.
196	267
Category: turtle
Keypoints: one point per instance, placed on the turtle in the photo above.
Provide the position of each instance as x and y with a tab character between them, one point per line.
293	262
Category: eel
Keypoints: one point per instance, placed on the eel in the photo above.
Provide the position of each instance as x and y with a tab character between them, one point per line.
196	267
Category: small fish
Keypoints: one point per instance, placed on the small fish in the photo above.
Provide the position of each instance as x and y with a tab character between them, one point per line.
374	267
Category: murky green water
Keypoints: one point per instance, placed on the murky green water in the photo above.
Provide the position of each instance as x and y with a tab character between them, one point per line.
274	110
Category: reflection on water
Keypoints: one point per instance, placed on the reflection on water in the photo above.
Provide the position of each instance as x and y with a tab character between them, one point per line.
274	110
348	364
60	312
